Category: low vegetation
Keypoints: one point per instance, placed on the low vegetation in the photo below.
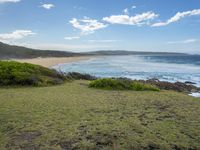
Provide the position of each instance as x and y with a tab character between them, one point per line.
72	116
121	84
14	73
79	76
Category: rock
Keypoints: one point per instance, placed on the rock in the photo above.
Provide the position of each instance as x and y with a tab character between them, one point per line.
154	79
177	86
188	82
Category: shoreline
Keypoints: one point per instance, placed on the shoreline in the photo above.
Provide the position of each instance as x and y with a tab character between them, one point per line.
52	61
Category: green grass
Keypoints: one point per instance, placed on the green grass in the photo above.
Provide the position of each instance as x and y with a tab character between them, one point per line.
121	84
14	73
73	116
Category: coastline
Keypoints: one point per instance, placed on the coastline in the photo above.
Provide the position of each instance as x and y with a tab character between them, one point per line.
52	61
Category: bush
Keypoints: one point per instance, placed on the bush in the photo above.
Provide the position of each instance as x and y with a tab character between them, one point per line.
14	73
79	76
121	84
137	86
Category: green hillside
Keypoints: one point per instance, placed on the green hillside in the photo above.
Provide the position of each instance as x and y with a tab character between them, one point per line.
10	51
20	74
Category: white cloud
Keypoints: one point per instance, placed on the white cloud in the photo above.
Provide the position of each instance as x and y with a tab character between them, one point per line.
87	25
131	20
125	11
9	1
133	7
177	17
15	35
72	37
47	6
188	41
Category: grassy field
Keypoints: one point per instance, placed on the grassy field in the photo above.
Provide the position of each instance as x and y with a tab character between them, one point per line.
73	116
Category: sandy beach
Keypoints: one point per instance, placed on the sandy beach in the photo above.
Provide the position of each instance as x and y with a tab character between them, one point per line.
52	61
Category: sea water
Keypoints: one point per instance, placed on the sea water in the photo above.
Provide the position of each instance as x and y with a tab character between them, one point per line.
165	68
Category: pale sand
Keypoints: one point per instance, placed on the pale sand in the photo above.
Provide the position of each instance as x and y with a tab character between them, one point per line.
52	61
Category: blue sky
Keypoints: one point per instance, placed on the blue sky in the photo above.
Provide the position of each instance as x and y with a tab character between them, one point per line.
87	25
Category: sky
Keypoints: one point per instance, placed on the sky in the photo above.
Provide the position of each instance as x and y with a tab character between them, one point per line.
89	25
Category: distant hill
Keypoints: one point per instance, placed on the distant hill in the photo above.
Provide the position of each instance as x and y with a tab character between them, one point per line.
123	52
19	52
10	51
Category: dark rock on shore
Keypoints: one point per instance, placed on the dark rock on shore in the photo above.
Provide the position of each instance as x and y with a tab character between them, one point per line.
187	87
177	86
188	82
164	85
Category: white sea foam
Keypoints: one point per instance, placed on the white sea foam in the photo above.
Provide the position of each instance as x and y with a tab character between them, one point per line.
195	94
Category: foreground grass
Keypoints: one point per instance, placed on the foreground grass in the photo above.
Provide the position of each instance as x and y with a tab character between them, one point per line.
73	116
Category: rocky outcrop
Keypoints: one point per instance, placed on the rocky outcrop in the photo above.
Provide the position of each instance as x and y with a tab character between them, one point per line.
177	86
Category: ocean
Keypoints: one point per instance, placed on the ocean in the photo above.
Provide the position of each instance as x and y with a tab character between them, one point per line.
180	68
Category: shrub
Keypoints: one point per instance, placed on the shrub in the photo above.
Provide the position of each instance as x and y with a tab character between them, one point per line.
138	86
14	73
79	76
121	84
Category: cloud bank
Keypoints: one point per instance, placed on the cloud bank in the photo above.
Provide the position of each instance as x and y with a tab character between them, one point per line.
188	41
9	1
87	25
16	35
138	19
177	17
